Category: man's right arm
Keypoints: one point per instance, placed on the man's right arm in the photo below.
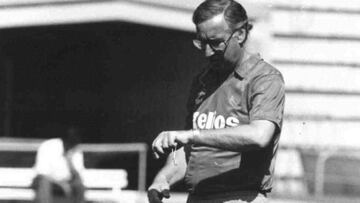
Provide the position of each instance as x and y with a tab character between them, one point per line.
172	172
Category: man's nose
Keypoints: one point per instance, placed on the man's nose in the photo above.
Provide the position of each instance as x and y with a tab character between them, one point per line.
208	51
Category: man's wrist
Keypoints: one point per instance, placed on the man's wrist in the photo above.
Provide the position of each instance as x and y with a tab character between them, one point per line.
194	135
160	178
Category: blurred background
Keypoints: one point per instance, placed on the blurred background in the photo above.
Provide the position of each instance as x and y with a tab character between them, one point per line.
121	70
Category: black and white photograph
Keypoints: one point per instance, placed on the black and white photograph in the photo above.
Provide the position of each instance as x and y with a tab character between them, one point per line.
179	101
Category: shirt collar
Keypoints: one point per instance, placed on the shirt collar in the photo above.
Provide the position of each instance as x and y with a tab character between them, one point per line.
243	69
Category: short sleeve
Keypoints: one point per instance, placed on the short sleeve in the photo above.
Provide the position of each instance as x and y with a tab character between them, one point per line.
267	99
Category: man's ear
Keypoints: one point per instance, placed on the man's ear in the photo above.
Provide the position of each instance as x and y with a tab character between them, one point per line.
241	36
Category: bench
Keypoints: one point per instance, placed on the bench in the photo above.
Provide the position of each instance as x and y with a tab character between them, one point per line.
101	184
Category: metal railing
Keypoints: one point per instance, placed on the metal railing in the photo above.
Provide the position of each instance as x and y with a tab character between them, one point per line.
320	172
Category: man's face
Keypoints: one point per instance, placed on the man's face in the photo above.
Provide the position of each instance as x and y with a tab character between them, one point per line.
216	40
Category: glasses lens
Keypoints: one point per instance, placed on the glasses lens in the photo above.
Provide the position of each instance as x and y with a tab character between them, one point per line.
217	44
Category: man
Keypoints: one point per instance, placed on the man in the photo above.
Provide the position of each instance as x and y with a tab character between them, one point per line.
59	164
237	110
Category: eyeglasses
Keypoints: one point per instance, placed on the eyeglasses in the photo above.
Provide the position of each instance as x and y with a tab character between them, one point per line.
216	44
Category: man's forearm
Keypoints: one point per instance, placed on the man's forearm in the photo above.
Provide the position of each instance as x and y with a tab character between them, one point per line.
241	138
255	135
169	174
174	170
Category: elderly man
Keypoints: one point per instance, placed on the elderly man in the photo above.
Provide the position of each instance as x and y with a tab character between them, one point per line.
236	112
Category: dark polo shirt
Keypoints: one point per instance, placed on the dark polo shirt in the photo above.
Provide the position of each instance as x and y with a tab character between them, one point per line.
254	91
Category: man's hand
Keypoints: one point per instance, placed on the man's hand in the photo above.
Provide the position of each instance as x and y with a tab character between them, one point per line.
169	140
155	196
158	190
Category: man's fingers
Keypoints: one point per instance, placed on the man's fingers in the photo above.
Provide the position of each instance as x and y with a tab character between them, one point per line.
154	196
156	155
166	193
157	146
159	150
165	140
169	140
161	144
172	138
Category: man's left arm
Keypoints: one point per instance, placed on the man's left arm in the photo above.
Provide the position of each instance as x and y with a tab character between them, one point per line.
255	135
267	101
